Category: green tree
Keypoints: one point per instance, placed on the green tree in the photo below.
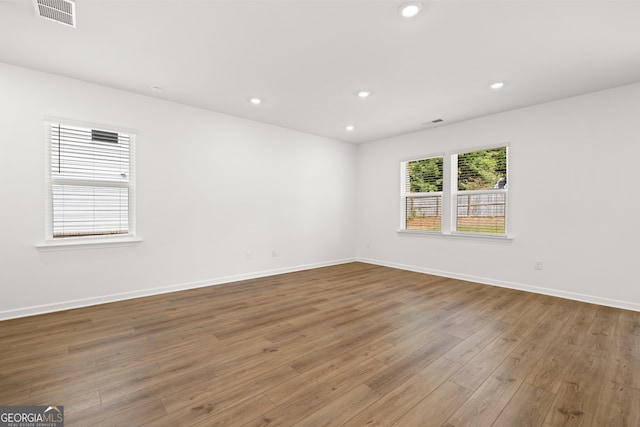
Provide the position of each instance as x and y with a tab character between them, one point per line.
425	176
481	170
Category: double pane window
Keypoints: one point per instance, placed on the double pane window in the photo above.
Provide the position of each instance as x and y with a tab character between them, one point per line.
463	192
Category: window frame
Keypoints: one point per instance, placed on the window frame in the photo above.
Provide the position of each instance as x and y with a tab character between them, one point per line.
90	240
450	194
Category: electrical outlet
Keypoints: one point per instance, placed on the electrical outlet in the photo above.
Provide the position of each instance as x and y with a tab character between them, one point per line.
274	253
537	265
249	255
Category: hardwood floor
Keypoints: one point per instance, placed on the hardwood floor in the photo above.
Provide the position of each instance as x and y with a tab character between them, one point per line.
354	344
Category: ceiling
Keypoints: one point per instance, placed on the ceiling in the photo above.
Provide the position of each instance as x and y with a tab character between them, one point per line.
307	59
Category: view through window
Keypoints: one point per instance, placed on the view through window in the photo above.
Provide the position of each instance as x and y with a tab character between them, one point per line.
469	189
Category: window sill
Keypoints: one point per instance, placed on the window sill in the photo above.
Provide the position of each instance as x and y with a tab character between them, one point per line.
486	237
70	244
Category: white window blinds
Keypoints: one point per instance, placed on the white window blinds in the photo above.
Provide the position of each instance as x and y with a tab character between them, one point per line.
90	181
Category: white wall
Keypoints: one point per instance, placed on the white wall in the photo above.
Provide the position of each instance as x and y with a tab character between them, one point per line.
574	201
210	187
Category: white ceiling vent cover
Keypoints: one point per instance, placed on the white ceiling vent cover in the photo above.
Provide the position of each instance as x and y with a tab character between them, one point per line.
62	11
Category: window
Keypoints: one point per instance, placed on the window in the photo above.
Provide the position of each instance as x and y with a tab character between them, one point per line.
481	196
90	182
422	194
464	193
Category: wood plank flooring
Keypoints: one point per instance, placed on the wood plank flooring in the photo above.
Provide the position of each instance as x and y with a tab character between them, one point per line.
353	345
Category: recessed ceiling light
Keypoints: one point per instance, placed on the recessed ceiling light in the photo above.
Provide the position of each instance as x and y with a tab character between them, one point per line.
496	85
350	128
255	101
156	89
410	10
364	93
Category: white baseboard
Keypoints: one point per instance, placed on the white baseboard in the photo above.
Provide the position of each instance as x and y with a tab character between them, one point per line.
86	302
511	285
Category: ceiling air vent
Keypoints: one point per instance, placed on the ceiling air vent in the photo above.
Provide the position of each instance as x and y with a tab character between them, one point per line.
432	122
62	11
